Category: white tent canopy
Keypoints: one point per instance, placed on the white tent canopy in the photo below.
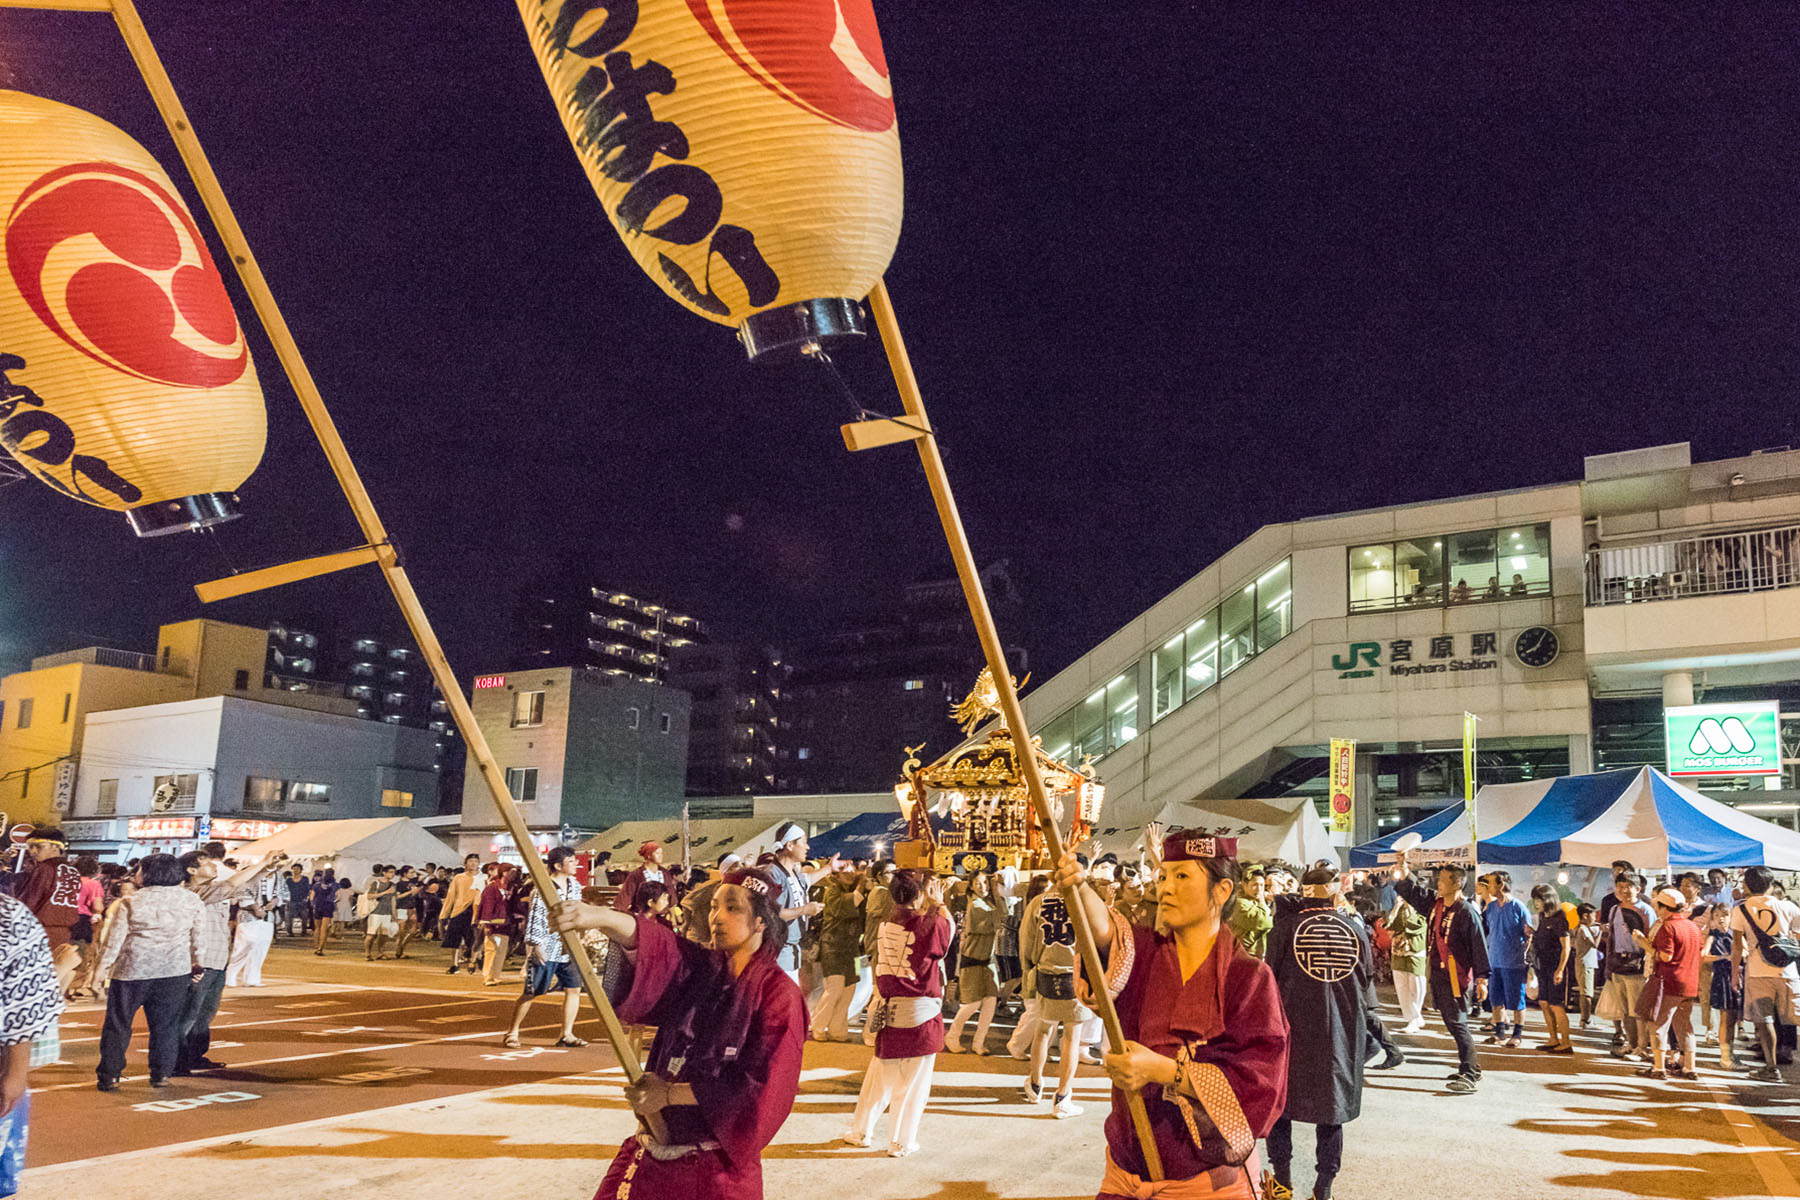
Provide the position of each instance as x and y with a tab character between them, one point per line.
708	839
1287	828
352	847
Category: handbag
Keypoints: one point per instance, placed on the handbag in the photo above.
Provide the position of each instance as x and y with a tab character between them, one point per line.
1779	952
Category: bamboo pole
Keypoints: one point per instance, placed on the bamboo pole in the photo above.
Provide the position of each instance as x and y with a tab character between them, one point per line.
995	654
149	64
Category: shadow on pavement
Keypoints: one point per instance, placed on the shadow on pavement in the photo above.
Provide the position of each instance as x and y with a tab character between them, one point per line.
392	1144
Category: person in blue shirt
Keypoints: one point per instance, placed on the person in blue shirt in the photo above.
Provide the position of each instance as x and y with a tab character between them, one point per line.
1509	930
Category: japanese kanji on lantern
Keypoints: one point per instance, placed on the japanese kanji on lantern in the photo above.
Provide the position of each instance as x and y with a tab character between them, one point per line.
745	150
125	379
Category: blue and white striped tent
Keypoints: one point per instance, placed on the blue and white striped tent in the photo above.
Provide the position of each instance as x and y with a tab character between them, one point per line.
1640	815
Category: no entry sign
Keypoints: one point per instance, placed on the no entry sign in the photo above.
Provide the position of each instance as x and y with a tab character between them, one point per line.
21	833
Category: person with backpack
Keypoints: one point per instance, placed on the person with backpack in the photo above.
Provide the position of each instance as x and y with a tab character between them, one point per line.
1765	963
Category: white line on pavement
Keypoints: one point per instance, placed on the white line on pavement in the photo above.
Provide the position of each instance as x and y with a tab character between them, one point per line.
37	1172
330	1016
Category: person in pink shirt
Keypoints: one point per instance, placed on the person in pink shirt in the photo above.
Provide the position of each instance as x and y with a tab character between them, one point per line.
909	949
90	905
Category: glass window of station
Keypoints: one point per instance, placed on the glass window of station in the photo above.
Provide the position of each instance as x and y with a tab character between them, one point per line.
1246	622
1432	570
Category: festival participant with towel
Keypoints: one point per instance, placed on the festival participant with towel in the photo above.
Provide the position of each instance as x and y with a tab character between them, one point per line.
1207	1044
725	1066
1457	956
909	1020
649	870
1322	965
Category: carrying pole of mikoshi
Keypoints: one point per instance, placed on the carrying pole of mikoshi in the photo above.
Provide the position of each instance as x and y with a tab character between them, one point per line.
137	40
1010	709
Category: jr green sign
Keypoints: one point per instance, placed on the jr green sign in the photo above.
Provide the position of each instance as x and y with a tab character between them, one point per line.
1724	739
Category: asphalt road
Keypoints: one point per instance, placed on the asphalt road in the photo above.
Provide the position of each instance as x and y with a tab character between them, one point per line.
348	1076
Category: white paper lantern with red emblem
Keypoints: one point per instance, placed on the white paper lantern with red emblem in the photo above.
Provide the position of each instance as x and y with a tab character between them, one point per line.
125	379
745	150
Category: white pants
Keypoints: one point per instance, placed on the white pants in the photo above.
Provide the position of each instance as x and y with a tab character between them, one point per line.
1091	1032
1020	1042
832	1016
904	1081
248	949
1410	989
963	1013
865	988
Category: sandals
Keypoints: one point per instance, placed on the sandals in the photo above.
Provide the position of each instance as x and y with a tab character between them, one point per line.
571	1041
510	1041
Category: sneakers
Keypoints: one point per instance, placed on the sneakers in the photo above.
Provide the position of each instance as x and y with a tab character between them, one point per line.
1460	1084
1091	1057
1033	1092
1066	1107
1394	1058
1766	1074
1274	1189
1413	1027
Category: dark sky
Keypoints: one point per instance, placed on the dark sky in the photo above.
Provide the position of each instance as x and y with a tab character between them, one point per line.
1168	273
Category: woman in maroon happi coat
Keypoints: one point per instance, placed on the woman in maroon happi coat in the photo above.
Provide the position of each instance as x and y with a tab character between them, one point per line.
725	1066
1206	1039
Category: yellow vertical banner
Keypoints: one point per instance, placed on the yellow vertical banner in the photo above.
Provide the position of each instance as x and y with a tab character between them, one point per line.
1343	785
1469	720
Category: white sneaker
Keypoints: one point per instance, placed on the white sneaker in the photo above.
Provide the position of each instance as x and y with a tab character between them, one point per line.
1066	1107
1032	1092
898	1151
1091	1056
852	1138
1413	1027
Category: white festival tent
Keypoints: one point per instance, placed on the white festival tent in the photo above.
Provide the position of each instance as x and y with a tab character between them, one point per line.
352	847
708	838
1288	828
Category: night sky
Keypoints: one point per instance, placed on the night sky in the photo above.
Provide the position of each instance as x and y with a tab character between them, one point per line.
1165	278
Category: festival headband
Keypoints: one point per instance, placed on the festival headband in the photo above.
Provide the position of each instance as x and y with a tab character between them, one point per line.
1186	845
788	833
753	880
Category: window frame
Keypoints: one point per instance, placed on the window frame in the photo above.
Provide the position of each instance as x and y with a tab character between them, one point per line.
532	701
516	780
1479	592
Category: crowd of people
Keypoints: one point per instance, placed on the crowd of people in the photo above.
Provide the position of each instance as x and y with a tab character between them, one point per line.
1246	992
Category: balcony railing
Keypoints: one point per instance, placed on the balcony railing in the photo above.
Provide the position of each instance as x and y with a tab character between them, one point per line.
99	656
1719	565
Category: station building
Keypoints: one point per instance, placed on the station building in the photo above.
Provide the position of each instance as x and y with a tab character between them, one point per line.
1566	618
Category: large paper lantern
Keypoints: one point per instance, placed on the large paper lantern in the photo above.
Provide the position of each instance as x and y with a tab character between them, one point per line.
745	150
125	379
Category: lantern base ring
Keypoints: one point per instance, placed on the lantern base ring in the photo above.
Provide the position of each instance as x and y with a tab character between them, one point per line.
797	329
181	516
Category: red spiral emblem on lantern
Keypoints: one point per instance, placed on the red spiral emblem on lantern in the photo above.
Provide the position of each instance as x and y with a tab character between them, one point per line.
113	263
820	55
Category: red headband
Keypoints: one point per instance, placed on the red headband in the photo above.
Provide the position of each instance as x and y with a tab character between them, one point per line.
1191	845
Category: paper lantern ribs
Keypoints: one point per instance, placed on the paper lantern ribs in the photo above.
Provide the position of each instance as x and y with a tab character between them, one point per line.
125	379
745	150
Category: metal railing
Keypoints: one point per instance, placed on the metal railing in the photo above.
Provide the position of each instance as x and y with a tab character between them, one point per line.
1717	565
100	656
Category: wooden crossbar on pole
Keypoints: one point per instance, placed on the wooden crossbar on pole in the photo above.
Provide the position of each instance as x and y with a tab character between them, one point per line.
149	64
995	653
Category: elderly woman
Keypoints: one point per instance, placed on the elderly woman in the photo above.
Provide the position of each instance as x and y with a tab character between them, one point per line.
151	953
725	1066
1206	1042
977	986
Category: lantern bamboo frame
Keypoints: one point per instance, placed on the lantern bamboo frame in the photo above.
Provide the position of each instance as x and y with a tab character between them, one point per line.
992	649
379	548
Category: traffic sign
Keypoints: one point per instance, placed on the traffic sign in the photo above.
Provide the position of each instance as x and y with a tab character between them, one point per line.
21	833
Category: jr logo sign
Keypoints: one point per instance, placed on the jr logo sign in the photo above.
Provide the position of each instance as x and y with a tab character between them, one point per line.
1363	660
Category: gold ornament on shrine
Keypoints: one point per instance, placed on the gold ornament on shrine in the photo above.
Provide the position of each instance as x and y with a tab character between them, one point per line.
977	791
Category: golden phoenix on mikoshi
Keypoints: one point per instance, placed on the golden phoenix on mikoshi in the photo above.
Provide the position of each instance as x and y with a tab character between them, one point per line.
745	150
979	786
125	379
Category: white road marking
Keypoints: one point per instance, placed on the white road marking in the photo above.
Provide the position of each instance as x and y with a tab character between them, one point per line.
184	1148
380	1012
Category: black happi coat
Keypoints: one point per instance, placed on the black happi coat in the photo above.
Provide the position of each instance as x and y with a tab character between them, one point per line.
1322	966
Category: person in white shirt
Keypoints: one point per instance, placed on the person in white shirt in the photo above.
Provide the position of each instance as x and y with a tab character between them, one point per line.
1771	993
549	966
250	944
